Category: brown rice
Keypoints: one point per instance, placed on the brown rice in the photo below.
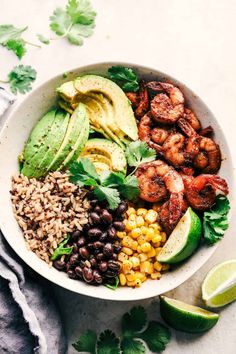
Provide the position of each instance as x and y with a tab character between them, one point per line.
47	210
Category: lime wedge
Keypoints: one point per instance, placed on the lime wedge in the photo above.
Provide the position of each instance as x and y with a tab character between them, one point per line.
183	240
185	317
219	286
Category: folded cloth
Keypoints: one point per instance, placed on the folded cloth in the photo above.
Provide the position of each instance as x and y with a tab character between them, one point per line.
29	319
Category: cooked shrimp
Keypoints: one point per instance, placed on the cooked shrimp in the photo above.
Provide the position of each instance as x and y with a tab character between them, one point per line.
208	131
134	98
156	181
164	214
192	119
159	135
168	105
208	160
145	132
143	105
201	191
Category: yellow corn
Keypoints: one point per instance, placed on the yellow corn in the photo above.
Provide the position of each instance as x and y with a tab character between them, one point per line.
156	238
127	251
127	241
151	216
134	245
146	247
122	279
130	211
156	245
156	275
122	257
155	226
140	221
151	253
135	261
141	239
121	234
144	230
143	257
141	211
136	232
139	249
130	225
158	250
127	265
132	217
145	267
130	276
157	266
131	283
138	282
165	267
150	234
163	237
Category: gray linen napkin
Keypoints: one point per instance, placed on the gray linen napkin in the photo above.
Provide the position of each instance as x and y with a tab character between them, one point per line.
29	320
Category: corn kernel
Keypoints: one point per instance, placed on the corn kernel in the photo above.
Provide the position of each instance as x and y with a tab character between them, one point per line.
156	275
144	230
134	245
122	257
157	266
130	211
141	211
146	247
130	276
140	221
131	283
151	253
127	266
163	237
121	234
158	250
122	279
155	226
143	279
151	216
156	244
139	275
127	241
139	249
136	232
135	261
130	225
150	234
145	267
151	268
137	282
143	257
141	239
165	266
156	238
127	251
132	217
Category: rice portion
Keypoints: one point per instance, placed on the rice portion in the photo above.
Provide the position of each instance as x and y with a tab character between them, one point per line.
47	210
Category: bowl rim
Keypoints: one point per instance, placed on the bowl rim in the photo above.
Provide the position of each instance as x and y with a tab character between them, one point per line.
89	291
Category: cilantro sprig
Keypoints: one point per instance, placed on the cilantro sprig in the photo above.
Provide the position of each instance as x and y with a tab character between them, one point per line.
110	186
20	78
135	332
126	78
60	250
74	22
11	38
215	221
138	152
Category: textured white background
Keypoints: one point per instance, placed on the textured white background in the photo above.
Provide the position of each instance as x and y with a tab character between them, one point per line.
193	40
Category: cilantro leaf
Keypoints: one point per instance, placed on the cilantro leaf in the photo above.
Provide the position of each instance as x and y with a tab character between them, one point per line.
43	39
17	46
132	346
129	189
112	179
108	343
60	250
215	221
126	78
83	173
86	342
138	152
75	22
21	77
157	336
115	286
134	321
111	195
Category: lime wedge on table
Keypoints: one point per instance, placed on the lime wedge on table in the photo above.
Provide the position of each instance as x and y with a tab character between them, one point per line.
183	240
219	286
185	317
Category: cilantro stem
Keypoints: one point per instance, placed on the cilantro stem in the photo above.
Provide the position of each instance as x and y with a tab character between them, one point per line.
5	81
64	35
32	44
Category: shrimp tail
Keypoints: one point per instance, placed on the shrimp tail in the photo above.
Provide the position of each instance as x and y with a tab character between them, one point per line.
175	207
218	184
143	105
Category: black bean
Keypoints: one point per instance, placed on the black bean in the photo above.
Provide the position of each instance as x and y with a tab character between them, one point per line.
103	237
111	274
122	208
108	250
100	256
75	248
93	202
86	227
60	265
113	265
117	248
106	217
71	274
111	232
94	232
84	253
75	235
74	259
93	262
103	266
97	277
95	218
119	217
118	225
81	263
81	241
97	209
115	256
88	274
90	245
98	245
96	251
79	271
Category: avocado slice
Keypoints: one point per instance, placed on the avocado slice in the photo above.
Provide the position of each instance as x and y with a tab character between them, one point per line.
123	113
106	152
72	133
78	145
38	164
68	92
101	167
38	135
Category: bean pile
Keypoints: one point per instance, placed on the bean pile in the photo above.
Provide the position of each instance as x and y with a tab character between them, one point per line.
94	257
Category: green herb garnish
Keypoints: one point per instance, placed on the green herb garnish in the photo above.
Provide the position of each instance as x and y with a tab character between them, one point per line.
110	186
75	22
11	38
60	250
115	286
126	78
215	221
20	78
135	331
43	39
139	152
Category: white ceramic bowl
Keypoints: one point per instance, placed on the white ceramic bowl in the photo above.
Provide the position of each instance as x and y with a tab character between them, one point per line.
13	136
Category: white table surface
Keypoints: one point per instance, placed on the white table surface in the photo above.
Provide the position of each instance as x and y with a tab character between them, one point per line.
193	40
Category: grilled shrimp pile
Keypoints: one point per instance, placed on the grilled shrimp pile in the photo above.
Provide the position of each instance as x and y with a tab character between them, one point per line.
188	159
